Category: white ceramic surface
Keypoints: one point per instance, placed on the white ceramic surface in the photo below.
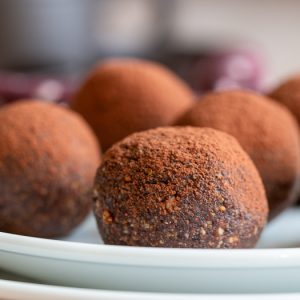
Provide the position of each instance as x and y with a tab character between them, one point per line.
77	262
25	291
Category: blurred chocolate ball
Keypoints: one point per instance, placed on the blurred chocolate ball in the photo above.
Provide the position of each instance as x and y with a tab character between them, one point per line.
288	94
123	96
265	129
48	159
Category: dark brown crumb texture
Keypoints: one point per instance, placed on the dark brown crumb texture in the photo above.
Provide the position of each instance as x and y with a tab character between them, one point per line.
179	187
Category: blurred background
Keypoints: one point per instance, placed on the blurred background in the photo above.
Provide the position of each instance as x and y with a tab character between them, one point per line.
46	47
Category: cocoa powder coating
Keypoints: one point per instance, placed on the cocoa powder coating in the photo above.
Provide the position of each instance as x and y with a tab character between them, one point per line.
123	96
265	129
48	158
179	187
288	93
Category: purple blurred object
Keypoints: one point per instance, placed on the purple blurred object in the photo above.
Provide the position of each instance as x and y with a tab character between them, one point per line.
14	86
221	70
206	71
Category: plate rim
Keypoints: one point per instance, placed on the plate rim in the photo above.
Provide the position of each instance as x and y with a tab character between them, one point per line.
148	256
18	289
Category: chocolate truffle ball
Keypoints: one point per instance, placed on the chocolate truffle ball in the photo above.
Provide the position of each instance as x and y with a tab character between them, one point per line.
179	187
123	96
48	158
288	93
265	129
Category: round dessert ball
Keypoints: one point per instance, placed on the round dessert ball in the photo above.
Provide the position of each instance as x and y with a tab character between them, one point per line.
265	129
288	93
123	96
48	158
179	187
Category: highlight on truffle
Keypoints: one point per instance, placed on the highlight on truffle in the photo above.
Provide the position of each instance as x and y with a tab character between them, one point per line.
179	187
48	158
123	96
265	129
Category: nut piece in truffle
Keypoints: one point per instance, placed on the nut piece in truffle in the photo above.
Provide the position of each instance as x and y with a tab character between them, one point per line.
265	129
123	96
48	158
179	187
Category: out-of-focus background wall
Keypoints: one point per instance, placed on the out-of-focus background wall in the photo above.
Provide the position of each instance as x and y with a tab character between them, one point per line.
270	26
68	36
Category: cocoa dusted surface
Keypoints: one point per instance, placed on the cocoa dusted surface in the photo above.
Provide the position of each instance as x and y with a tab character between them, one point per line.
179	187
48	158
265	129
288	93
123	96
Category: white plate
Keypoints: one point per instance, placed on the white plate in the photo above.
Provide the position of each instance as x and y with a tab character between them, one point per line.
25	291
82	264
